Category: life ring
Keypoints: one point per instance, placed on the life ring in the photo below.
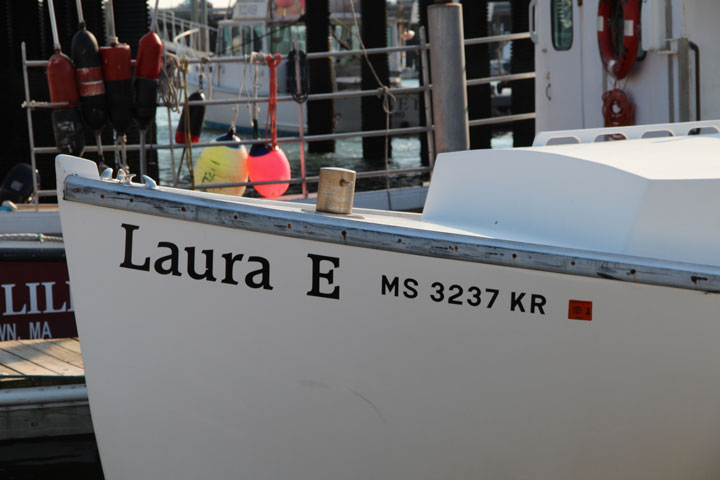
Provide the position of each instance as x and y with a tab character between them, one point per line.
619	63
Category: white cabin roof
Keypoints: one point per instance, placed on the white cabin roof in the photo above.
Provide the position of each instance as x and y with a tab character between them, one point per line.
649	197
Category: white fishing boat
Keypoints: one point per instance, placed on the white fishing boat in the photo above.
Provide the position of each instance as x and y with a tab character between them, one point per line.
551	314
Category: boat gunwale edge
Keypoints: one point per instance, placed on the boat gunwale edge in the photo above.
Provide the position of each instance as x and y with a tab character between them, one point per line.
347	231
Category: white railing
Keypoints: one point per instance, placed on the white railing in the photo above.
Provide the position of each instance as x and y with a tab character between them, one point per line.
185	37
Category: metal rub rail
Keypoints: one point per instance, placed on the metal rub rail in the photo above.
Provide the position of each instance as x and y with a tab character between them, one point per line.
171	203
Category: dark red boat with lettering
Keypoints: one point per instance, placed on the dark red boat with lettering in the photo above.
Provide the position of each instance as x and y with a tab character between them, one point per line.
35	298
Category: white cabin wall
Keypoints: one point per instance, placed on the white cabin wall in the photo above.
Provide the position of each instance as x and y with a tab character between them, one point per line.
648	88
593	76
655	85
647	85
700	25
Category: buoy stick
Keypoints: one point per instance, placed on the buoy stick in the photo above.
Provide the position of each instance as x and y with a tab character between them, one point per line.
172	150
143	165
81	18
113	35
300	122
53	26
154	23
98	140
123	140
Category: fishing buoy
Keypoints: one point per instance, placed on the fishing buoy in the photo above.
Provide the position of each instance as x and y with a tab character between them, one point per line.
223	164
88	71
267	164
117	73
284	3
66	121
147	69
197	117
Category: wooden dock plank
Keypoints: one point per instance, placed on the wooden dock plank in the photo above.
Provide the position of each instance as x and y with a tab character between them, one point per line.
7	371
37	357
22	366
68	343
56	350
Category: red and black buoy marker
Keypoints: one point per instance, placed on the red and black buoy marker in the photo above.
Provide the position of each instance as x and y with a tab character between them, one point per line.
117	72
197	117
67	125
147	69
88	71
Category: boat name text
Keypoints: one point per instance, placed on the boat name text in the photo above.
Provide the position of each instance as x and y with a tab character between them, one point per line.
322	267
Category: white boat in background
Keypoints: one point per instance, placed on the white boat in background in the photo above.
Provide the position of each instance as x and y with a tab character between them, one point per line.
255	26
551	314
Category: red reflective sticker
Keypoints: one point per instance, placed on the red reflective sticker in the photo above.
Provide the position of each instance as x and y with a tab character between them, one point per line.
580	310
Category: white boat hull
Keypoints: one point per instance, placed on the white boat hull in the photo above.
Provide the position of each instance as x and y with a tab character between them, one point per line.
273	378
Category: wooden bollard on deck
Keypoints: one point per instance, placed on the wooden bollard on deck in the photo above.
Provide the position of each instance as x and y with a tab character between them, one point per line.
336	190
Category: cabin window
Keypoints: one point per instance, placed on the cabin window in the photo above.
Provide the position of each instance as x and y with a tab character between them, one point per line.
562	24
236	48
258	39
283	36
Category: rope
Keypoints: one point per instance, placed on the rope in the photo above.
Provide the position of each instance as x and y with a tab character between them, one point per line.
389	103
253	58
273	61
297	78
187	150
386	105
171	81
617	109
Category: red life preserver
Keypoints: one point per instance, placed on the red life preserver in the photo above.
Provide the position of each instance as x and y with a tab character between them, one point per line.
619	64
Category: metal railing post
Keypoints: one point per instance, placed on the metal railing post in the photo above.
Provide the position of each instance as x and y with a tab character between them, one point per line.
447	67
31	138
428	100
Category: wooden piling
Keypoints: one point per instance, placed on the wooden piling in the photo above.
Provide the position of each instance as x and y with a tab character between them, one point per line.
522	60
320	113
477	61
373	15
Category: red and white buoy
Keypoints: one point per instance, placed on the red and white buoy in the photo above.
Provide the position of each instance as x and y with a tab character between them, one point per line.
67	125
